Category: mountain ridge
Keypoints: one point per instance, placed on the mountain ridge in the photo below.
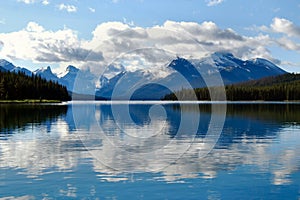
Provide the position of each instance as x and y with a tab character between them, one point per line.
196	72
171	76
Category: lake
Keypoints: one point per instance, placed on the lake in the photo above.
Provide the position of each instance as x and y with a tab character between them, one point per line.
150	150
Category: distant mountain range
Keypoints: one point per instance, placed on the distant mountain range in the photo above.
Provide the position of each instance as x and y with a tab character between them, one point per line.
66	78
154	83
183	73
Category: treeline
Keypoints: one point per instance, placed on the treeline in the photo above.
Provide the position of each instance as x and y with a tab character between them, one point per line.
280	88
18	86
273	80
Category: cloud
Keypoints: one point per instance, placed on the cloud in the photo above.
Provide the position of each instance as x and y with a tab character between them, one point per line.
60	53
288	30
115	1
288	44
28	1
206	30
281	25
92	9
185	39
68	8
40	45
214	2
45	2
1	45
130	23
111	40
34	27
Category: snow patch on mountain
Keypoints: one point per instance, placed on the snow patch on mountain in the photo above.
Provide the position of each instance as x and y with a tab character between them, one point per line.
46	73
150	80
214	69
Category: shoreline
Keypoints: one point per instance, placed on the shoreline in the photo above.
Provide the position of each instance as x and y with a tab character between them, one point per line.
45	101
29	101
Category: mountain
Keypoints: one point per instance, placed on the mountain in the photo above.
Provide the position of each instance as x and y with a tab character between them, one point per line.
234	70
78	81
83	80
181	73
22	70
154	82
46	73
68	77
107	85
8	66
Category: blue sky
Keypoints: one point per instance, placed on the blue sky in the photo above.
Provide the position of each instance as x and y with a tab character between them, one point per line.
269	28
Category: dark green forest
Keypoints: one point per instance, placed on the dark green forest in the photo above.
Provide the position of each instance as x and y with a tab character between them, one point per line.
18	86
276	88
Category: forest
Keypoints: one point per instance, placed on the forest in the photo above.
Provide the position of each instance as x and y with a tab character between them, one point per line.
276	88
18	86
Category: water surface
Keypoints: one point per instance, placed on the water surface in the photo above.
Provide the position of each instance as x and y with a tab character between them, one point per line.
149	151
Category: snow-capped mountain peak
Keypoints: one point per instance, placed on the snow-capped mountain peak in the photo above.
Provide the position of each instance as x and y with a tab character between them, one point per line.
69	70
231	69
46	73
43	70
129	77
263	62
72	69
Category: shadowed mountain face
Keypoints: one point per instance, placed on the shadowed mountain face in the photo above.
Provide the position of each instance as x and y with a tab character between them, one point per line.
234	70
5	65
154	82
183	73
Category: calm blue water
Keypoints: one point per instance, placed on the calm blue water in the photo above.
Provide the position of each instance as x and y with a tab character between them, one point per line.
95	150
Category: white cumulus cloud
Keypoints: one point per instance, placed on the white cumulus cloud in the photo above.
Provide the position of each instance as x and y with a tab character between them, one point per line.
288	44
28	1
39	45
112	39
68	8
282	25
214	2
45	2
92	9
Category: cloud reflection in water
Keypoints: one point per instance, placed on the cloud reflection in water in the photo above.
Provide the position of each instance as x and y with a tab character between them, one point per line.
269	144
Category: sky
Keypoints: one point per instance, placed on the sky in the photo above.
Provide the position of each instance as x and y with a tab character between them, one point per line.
92	33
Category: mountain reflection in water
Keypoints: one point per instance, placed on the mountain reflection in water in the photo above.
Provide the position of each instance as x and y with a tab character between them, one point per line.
41	140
